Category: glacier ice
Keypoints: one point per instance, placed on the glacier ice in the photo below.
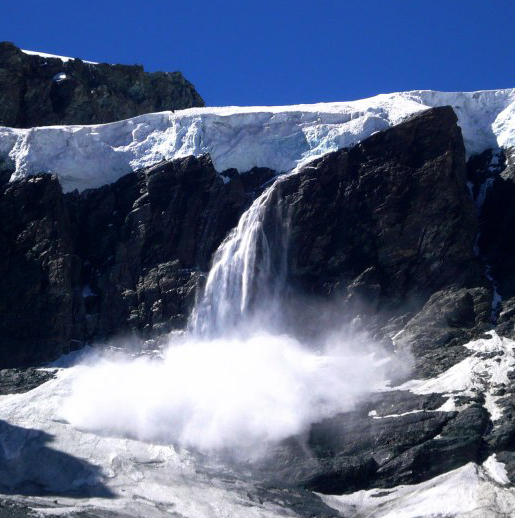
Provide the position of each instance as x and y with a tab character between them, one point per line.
281	137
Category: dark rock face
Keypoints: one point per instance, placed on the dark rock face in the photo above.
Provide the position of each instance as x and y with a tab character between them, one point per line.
497	221
146	240
382	227
394	438
381	220
40	273
38	91
436	334
125	258
18	381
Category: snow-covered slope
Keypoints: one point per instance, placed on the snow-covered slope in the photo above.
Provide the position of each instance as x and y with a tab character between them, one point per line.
280	138
471	491
130	477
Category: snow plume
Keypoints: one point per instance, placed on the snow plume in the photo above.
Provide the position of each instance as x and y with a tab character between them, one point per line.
224	393
234	380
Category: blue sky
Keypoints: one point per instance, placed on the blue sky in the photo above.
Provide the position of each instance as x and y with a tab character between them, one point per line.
283	52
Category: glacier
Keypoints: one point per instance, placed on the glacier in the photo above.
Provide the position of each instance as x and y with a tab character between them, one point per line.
280	138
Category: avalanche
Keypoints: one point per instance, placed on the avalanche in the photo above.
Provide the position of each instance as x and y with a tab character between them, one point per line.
280	138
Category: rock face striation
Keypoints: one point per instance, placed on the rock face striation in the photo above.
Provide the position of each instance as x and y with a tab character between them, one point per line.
37	90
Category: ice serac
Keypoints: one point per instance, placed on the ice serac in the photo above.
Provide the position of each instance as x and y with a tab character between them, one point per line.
280	138
38	89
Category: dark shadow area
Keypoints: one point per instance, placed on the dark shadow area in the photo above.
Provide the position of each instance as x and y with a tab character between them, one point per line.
28	466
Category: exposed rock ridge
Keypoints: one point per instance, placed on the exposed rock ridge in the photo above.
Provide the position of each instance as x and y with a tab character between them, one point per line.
43	91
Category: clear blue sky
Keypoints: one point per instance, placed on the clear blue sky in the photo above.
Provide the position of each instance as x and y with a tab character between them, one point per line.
283	52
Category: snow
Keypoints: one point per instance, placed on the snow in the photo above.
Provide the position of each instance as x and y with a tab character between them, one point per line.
281	137
160	480
60	77
496	470
151	480
55	56
373	414
485	371
472	491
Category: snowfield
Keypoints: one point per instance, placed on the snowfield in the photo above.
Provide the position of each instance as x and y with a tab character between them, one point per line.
471	491
280	138
117	476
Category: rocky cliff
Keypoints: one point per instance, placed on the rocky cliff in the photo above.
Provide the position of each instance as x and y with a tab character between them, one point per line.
124	258
400	234
41	91
383	226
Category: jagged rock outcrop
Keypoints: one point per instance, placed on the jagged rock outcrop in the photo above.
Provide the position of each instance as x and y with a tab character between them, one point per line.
450	318
125	258
42	91
393	438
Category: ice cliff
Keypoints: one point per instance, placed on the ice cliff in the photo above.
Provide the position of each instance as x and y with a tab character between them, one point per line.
280	138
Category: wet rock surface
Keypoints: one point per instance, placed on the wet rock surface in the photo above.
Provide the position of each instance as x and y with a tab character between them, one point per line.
43	91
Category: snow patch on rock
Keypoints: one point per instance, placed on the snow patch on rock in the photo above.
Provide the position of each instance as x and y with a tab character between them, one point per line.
55	56
485	371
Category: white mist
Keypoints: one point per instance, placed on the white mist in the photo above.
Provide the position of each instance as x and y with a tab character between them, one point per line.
222	393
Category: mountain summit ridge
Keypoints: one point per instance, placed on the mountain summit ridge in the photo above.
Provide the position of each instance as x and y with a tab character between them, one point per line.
38	89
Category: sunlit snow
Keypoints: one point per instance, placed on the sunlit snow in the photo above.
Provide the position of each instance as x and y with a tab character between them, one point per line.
280	137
